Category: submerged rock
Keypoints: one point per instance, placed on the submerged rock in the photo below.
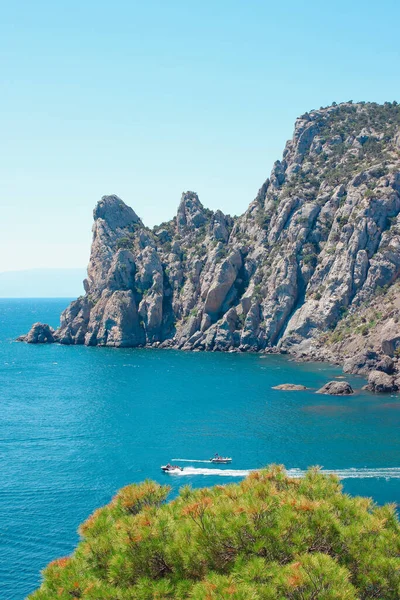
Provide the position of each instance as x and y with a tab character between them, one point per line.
289	387
40	333
336	388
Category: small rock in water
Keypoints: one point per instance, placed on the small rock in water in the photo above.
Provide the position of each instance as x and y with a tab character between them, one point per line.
40	333
289	387
336	388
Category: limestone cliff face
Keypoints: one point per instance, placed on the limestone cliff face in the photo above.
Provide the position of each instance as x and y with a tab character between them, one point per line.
317	243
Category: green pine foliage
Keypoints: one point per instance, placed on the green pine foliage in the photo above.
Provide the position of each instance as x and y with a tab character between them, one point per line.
267	538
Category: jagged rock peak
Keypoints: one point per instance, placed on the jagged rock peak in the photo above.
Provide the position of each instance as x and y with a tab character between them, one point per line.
191	213
115	212
315	257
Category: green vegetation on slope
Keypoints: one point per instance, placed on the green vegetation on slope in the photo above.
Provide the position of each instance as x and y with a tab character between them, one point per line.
268	537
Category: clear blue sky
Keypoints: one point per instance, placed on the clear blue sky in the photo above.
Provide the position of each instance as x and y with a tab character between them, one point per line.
148	99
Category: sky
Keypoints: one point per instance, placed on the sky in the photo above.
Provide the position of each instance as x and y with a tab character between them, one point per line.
42	283
149	99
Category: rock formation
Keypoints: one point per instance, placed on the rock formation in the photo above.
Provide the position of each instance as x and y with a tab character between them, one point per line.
290	387
381	382
336	388
318	245
40	333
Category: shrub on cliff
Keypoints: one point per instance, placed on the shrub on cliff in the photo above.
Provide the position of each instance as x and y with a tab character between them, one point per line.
269	537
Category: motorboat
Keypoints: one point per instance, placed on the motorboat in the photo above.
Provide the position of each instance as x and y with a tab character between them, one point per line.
171	468
220	460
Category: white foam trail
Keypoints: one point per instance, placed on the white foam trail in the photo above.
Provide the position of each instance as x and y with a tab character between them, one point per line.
219	472
364	473
386	473
189	460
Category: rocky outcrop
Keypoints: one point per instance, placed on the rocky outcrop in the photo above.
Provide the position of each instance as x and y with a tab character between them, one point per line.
381	382
391	341
298	271
386	365
361	363
40	333
290	387
336	388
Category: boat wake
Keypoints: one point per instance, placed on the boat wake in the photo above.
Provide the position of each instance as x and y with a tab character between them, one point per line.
364	473
353	473
218	472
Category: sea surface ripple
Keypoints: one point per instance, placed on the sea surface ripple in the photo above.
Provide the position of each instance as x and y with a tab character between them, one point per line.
78	423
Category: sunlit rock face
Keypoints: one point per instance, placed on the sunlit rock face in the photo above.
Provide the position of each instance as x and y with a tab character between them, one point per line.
318	243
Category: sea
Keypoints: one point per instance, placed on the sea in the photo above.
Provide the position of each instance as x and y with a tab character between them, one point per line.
78	423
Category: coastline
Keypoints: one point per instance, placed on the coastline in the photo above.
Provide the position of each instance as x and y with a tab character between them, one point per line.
294	357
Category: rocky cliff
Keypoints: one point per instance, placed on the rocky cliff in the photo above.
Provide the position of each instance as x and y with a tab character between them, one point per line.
319	244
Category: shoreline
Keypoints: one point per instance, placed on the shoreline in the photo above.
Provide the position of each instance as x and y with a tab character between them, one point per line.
262	353
381	370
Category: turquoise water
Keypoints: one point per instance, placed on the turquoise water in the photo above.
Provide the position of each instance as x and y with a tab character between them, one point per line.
78	423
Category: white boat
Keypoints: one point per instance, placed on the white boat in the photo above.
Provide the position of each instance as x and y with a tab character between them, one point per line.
171	468
221	460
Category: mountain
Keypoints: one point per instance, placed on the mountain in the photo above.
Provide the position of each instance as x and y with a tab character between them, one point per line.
42	283
315	248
